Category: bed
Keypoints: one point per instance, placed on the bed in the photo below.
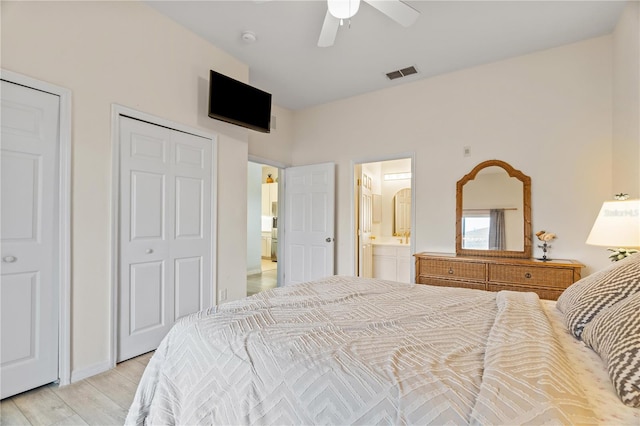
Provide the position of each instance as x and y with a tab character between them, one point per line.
347	350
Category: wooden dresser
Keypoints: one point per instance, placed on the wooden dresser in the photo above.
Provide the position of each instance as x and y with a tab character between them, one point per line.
547	279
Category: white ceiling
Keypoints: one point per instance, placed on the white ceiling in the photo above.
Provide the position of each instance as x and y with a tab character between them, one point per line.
448	35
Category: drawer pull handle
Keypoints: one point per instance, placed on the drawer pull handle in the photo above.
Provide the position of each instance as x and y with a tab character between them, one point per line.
450	270
527	275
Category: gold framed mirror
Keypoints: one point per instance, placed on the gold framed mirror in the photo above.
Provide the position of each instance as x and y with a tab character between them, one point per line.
402	212
493	212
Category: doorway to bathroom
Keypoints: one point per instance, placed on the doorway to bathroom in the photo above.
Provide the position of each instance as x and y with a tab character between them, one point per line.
262	227
383	216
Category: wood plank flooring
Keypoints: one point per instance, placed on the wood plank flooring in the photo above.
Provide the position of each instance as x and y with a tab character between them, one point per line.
265	280
103	399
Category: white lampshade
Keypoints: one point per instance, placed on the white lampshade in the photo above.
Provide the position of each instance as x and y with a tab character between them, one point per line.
617	225
343	9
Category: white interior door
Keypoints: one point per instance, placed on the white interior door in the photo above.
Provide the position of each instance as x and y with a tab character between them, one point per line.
365	220
165	232
29	237
309	222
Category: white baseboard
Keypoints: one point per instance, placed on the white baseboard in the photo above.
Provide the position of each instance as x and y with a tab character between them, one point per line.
83	373
254	271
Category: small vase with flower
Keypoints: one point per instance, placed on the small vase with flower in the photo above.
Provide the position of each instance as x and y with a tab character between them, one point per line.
545	237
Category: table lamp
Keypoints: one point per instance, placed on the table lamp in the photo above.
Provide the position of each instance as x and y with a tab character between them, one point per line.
618	227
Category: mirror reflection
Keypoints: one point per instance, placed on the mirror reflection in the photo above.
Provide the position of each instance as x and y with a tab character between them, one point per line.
402	212
493	211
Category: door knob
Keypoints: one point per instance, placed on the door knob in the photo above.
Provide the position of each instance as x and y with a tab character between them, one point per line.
148	251
9	259
329	239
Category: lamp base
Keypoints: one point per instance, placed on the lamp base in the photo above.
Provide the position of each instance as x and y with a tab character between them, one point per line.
544	259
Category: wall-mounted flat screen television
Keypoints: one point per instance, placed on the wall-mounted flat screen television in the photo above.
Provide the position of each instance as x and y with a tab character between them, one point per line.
238	103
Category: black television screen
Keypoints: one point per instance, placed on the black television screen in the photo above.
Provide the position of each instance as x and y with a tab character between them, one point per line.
238	103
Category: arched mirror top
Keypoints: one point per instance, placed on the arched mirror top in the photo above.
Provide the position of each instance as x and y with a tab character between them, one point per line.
493	212
402	212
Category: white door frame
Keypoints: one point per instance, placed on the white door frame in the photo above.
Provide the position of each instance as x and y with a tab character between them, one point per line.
354	225
281	212
64	216
116	112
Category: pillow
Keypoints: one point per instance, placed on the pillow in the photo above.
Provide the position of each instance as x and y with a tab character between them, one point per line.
615	335
582	301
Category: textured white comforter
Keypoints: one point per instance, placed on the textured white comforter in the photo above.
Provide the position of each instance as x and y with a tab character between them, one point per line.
359	351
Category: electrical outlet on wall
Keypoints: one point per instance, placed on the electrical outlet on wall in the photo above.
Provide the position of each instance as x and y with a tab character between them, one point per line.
222	295
467	151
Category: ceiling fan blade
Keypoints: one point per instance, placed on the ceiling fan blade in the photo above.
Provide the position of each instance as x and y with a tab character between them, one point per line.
400	12
329	30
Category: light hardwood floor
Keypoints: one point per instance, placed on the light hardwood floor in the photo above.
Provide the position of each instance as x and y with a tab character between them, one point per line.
265	280
103	399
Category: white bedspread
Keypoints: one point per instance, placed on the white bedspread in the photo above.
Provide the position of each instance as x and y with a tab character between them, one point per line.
358	351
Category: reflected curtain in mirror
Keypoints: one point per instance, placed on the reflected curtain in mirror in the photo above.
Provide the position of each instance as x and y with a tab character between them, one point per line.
496	229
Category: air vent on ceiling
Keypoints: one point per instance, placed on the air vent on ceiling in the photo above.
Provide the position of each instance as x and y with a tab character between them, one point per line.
402	73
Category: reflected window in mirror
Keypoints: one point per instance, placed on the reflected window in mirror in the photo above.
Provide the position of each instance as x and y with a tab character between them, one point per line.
475	230
484	229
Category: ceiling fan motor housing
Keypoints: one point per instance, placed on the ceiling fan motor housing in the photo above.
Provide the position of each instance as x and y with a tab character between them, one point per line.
343	9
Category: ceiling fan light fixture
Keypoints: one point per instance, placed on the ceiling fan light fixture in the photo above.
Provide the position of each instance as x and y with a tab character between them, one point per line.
343	9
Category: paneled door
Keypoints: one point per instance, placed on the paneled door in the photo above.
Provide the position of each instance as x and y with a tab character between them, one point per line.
309	222
365	220
29	237
165	232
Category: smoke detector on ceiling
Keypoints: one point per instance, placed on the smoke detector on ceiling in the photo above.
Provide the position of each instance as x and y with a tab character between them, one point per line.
248	37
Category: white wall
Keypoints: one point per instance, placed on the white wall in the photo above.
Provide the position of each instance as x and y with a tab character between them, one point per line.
277	145
548	114
626	103
125	53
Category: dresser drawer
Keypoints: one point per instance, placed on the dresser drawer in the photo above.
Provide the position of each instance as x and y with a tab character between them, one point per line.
450	283
554	278
450	269
547	279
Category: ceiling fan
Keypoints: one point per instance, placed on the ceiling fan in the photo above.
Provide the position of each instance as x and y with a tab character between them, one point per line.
339	10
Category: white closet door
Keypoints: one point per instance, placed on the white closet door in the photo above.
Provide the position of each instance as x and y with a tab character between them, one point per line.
310	220
191	243
29	236
165	235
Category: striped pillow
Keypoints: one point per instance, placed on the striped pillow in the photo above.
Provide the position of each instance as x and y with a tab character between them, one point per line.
615	335
582	301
